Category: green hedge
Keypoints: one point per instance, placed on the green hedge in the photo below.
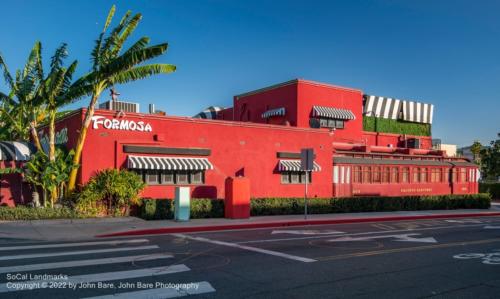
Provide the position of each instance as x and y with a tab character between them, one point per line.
382	125
290	206
28	213
492	188
155	209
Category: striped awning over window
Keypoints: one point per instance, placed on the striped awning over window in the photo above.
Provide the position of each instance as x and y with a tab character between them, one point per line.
294	165
274	112
209	113
168	163
330	112
16	151
390	108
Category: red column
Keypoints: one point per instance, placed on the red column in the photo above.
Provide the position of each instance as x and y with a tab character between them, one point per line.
237	199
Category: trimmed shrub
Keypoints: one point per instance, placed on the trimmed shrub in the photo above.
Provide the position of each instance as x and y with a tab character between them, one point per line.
382	125
27	213
491	188
290	206
156	209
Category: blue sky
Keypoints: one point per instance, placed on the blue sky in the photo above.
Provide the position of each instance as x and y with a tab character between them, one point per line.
441	52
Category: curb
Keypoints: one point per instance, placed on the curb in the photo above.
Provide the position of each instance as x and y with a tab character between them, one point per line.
192	229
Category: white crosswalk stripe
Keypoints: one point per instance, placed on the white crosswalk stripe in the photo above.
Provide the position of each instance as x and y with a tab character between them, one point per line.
144	264
115	242
52	254
77	263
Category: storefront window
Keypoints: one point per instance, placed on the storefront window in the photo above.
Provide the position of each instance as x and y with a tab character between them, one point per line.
406	175
386	174
394	175
152	177
423	175
182	177
295	177
376	174
463	175
167	177
416	174
331	123
367	172
357	174
197	177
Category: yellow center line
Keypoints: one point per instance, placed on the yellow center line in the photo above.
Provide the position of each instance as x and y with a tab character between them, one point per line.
378	252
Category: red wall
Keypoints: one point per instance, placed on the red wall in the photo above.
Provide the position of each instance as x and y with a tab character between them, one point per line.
397	140
236	148
316	94
283	95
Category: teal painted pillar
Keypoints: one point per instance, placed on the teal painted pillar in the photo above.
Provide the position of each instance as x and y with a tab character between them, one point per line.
182	204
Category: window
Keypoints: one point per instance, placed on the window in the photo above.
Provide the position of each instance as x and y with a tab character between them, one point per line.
357	174
295	177
394	175
197	177
367	172
376	174
331	123
168	177
406	175
416	175
423	175
454	175
152	177
463	175
386	174
182	177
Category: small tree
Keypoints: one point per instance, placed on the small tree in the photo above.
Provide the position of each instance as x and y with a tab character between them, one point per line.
490	158
476	150
114	189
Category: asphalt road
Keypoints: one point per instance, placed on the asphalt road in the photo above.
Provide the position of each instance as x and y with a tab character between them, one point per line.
452	258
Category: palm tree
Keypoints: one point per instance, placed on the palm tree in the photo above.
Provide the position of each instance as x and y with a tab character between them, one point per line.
19	113
111	66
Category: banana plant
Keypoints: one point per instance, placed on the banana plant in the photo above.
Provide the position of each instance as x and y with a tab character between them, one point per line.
111	66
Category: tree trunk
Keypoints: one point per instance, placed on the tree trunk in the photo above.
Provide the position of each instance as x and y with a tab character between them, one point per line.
80	142
34	136
52	149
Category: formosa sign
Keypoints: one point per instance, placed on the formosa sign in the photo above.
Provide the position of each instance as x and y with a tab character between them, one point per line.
120	124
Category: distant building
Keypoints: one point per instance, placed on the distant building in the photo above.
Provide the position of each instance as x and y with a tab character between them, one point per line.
449	149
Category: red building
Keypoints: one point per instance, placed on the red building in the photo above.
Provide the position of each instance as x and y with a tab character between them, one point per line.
260	137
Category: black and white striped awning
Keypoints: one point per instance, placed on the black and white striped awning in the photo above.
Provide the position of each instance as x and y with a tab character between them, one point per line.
330	112
168	163
16	151
209	113
294	165
390	108
274	112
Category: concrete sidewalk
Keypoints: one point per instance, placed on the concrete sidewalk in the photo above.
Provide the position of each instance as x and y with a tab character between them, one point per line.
78	229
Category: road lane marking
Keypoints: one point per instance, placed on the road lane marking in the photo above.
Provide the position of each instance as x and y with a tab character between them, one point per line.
249	248
64	253
162	293
101	277
307	232
361	234
61	245
80	263
402	237
397	250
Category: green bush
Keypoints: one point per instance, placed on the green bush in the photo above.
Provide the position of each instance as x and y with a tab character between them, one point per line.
155	209
112	190
27	213
382	125
290	206
491	188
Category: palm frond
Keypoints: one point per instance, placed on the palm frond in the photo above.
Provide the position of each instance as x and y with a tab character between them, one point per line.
6	74
126	32
58	57
97	51
138	45
141	72
127	61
